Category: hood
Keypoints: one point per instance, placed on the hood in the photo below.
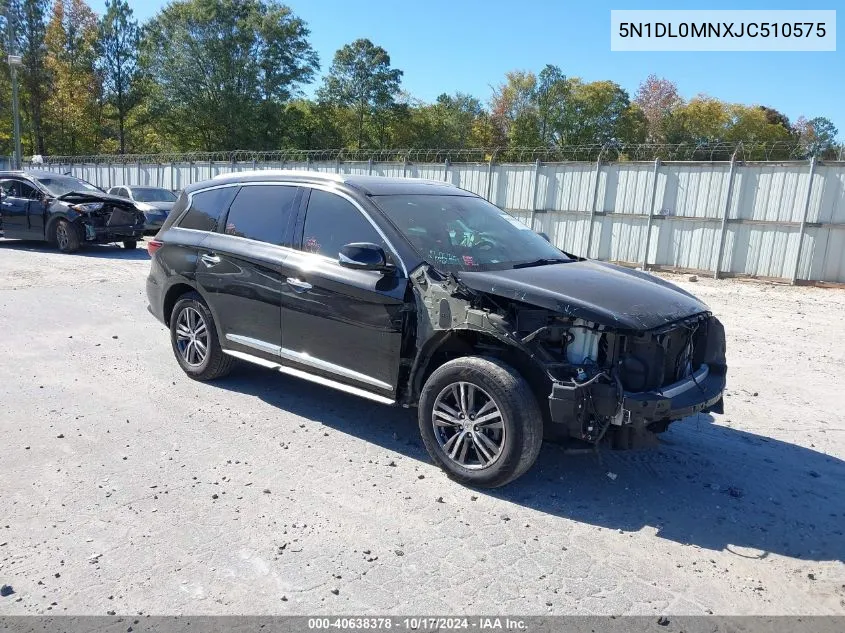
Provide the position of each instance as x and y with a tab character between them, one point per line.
77	197
591	290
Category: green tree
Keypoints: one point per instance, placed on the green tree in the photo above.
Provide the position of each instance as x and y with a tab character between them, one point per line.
552	96
702	120
755	124
361	78
119	38
513	109
73	106
223	70
30	29
818	135
599	112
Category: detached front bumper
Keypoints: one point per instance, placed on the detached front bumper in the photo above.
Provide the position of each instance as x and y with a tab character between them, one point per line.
701	392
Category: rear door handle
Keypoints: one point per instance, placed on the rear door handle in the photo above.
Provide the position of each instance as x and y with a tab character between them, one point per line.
210	260
298	285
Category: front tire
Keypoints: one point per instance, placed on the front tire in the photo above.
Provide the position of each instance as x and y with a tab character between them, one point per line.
193	337
480	421
67	237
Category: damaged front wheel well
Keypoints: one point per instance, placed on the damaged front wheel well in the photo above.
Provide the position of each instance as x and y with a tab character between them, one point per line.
446	346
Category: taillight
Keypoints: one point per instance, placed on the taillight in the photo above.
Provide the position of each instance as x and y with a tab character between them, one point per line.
153	246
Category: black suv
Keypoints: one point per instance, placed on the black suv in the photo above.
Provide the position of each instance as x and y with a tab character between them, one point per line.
418	293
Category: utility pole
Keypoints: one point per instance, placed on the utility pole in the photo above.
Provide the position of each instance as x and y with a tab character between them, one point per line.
14	63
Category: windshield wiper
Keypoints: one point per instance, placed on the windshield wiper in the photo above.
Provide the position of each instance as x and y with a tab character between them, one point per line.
542	262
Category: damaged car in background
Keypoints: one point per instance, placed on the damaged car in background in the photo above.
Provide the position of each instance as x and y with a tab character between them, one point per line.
420	294
65	211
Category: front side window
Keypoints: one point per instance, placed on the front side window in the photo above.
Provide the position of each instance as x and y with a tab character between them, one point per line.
28	192
456	233
206	208
9	187
332	222
261	212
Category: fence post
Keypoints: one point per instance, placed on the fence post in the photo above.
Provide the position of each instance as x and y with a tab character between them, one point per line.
489	186
404	166
536	193
727	211
593	206
370	167
651	211
446	170
139	173
803	227
337	165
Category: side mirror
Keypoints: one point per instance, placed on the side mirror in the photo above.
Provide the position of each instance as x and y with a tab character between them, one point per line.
545	237
364	256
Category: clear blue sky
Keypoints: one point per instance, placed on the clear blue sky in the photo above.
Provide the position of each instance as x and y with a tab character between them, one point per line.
469	45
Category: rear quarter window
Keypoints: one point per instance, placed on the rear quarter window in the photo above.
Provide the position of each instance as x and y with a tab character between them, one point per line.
206	208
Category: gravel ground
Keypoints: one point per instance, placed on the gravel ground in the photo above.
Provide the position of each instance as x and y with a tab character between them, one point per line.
128	488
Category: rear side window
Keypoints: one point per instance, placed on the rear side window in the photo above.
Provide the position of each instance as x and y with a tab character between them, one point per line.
331	222
206	209
261	212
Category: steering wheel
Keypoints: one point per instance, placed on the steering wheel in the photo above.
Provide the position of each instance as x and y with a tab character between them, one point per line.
484	243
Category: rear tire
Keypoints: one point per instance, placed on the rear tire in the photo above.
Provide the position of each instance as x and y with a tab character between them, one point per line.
193	336
66	236
130	244
487	406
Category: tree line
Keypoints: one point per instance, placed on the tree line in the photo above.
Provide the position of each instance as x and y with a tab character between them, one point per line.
212	75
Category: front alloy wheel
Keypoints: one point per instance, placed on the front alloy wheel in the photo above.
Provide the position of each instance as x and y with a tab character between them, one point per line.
480	421
468	425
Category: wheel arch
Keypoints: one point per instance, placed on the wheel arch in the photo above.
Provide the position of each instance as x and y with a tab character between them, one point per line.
447	345
172	295
53	221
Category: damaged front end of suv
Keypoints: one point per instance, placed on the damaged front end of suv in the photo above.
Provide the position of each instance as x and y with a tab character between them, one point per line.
616	354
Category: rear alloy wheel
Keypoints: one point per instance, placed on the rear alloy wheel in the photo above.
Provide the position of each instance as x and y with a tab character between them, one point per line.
130	244
194	340
480	421
67	237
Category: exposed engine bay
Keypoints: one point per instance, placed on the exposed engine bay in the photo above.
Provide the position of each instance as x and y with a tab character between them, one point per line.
600	380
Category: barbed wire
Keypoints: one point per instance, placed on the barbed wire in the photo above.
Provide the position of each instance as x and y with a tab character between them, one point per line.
608	152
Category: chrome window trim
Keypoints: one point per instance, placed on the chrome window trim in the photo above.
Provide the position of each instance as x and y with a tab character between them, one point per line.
321	187
307	359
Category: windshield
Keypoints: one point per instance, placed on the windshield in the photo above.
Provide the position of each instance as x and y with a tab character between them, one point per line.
59	185
456	233
152	195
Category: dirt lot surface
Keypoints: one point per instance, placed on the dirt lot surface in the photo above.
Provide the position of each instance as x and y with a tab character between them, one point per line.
127	487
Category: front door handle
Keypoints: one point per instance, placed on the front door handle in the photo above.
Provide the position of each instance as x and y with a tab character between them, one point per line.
298	285
210	260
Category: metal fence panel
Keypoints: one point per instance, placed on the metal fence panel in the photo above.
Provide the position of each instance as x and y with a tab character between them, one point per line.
784	219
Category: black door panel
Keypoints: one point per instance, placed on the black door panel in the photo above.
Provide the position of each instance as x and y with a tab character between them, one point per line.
242	282
240	268
348	319
342	323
